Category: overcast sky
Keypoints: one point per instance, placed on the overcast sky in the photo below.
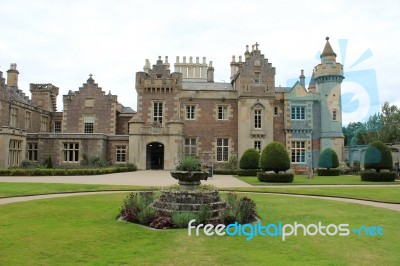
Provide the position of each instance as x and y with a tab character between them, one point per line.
62	42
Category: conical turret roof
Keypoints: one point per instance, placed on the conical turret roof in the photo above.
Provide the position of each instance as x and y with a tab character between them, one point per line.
328	51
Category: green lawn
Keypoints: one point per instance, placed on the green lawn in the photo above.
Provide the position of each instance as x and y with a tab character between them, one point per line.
8	189
383	194
317	180
82	230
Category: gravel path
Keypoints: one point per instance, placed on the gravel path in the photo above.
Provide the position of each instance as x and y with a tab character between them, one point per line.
390	206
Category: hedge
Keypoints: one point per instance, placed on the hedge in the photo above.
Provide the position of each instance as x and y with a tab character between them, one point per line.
64	172
225	172
378	176
328	172
248	172
275	178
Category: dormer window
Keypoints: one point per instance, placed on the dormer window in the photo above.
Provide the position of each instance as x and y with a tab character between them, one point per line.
159	76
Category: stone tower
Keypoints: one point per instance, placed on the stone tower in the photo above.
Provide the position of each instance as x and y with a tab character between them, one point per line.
155	131
328	76
254	81
44	96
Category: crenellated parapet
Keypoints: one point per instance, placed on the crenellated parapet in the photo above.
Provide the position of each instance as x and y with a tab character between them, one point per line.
44	95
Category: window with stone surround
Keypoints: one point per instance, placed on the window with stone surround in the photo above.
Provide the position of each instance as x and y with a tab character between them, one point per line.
257	119
158	112
32	151
222	112
257	78
190	147
298	151
334	115
298	112
71	152
222	150
190	112
28	120
14	152
88	124
121	154
44	123
57	126
14	117
257	145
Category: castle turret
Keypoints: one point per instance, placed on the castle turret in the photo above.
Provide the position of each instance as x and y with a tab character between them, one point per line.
328	76
44	96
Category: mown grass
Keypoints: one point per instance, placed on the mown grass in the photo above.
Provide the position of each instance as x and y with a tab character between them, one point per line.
82	230
317	180
383	194
9	189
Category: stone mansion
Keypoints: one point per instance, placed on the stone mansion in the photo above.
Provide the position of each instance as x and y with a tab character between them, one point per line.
180	113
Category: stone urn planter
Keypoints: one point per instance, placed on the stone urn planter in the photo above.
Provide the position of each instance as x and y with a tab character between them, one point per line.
189	180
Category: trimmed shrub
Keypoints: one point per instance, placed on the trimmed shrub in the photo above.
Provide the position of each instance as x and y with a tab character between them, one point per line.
225	172
328	159
378	156
274	157
373	176
5	172
250	159
248	172
328	172
275	177
61	171
245	210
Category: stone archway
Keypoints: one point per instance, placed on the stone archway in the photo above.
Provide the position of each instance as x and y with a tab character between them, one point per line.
155	156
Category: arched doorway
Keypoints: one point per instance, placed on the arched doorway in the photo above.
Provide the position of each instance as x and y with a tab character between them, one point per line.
155	156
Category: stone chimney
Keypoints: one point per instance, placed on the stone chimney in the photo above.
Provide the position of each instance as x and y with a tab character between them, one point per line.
210	72
302	79
12	76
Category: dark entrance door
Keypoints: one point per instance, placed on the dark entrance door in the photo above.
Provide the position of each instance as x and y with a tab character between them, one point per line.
155	156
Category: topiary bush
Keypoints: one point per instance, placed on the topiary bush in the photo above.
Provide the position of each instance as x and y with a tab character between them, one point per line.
374	176
274	157
328	159
328	172
250	159
275	177
225	172
248	172
378	156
